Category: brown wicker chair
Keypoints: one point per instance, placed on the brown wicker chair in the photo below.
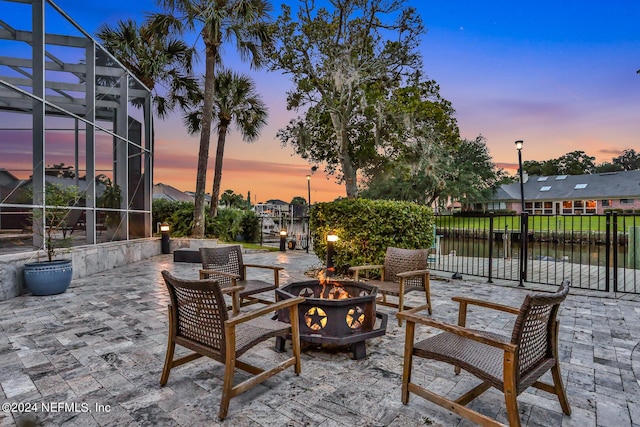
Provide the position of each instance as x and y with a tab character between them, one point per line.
404	270
511	365
198	320
224	264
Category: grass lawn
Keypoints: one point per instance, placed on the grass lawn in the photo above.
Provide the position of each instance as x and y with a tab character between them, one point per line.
551	223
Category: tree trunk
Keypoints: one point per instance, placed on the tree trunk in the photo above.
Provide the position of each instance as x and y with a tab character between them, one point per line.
217	175
348	170
203	154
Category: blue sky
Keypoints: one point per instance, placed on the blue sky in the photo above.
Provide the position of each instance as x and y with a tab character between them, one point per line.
559	75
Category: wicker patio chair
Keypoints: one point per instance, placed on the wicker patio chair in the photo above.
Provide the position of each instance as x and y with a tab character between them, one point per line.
404	270
510	364
198	320
224	264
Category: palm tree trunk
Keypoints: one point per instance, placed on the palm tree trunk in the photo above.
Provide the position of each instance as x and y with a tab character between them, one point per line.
203	154
217	175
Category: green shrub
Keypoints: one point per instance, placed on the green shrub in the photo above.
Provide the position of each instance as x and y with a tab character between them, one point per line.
227	225
230	224
250	226
367	227
164	209
181	221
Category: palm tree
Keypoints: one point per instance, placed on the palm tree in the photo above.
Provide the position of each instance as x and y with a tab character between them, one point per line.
217	21
157	59
235	101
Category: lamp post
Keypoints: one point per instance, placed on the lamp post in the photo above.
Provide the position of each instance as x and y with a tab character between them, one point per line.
308	211
283	240
332	237
523	219
164	242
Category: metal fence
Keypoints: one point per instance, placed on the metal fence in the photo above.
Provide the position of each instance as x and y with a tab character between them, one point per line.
297	231
599	252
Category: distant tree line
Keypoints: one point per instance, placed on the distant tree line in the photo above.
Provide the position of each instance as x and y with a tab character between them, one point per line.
579	163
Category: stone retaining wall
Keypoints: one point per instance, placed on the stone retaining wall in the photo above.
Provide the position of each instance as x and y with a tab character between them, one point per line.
89	259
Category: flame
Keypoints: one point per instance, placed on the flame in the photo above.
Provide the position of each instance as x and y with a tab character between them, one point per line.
336	292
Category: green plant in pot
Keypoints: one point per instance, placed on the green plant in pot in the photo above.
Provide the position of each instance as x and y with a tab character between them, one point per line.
52	224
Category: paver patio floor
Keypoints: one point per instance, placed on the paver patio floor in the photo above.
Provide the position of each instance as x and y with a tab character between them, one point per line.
94	355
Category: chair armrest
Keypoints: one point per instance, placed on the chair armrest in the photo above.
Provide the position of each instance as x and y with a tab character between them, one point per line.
486	304
204	273
231	289
263	310
358	268
413	273
365	267
411	317
272	267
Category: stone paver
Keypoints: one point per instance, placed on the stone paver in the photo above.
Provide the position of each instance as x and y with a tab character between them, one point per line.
93	356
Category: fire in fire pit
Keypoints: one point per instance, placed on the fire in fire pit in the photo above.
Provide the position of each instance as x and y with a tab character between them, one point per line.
334	312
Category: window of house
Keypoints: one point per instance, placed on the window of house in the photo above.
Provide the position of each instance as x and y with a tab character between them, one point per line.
542	178
605	203
591	206
548	208
567	207
545	188
528	207
626	201
496	206
580	186
560	177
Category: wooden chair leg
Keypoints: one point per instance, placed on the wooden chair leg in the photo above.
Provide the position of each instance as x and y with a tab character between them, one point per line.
171	347
510	392
401	299
168	361
559	388
400	307
295	338
229	370
408	361
227	387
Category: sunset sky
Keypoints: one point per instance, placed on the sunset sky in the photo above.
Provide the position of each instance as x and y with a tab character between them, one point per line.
559	75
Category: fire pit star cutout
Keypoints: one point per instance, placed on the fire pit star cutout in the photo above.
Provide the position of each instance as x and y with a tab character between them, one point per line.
306	293
355	317
315	318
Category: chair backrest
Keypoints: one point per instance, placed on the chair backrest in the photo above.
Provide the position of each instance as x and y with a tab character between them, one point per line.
399	260
227	259
199	311
534	328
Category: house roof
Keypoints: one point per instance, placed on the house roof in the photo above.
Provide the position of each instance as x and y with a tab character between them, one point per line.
609	185
276	202
167	192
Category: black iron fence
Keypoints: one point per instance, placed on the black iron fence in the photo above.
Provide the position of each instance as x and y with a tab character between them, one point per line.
599	252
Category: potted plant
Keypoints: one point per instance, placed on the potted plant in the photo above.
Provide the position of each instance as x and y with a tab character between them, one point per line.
52	276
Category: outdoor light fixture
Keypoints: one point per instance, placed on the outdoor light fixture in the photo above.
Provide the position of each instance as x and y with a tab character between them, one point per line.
523	219
332	237
308	211
283	240
164	242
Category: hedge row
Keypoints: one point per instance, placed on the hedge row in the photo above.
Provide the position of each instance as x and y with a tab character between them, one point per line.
367	227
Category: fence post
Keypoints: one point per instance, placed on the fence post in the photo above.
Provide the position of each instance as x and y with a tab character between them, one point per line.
615	251
607	251
490	247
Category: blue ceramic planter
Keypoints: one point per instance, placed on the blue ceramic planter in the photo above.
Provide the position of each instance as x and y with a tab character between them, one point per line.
48	278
